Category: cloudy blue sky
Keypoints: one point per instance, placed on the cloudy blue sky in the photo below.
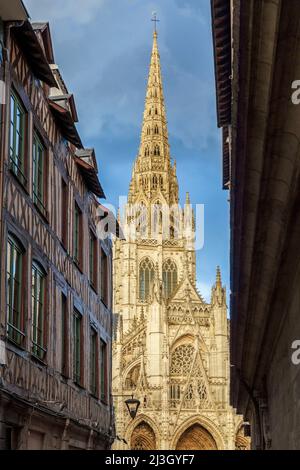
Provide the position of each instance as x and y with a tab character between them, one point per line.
103	50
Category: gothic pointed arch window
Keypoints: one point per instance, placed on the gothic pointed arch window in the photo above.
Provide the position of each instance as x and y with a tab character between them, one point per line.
185	363
196	437
169	277
147	152
180	365
154	182
146	277
143	182
161	182
148	130
156	150
143	437
156	130
156	112
157	217
181	360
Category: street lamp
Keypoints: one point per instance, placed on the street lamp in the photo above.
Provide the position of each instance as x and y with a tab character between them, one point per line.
132	406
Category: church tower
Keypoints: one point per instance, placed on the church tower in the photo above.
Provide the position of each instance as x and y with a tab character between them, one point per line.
171	348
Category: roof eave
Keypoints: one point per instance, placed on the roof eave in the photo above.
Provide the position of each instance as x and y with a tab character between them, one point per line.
31	48
91	179
66	124
14	10
221	31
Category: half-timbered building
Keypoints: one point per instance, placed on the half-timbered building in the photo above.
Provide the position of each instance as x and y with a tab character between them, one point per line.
55	296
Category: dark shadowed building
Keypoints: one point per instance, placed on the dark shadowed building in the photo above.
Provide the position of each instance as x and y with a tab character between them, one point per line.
257	59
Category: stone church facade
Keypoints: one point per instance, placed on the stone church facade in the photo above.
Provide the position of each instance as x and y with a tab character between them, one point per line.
171	348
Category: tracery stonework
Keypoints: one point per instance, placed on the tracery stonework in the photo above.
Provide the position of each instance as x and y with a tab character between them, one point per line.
171	347
143	438
196	438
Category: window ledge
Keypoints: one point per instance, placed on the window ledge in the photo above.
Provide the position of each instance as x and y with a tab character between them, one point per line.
105	305
18	179
64	246
94	289
77	264
45	215
64	376
38	359
94	395
14	343
79	385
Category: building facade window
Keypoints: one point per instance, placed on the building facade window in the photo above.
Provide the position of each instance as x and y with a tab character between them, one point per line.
15	323
64	213
38	174
175	392
104	278
154	182
93	260
77	235
38	311
146	277
17	138
64	334
93	361
169	277
103	370
77	347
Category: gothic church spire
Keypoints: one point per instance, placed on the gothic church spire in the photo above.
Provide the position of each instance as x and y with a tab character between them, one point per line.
153	172
154	137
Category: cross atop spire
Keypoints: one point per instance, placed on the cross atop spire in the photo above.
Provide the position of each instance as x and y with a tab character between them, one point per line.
154	18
